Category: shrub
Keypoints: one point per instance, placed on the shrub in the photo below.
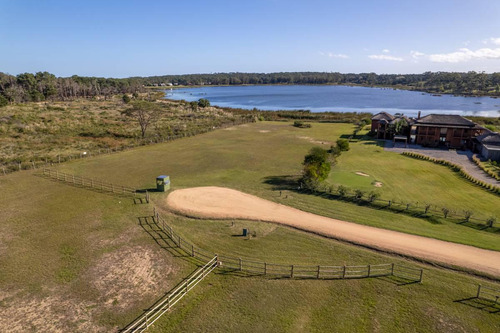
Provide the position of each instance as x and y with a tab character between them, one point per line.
467	215
445	211
372	196
358	194
342	190
301	124
203	103
343	144
491	221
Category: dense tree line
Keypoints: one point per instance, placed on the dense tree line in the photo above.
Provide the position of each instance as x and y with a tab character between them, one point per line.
28	87
470	83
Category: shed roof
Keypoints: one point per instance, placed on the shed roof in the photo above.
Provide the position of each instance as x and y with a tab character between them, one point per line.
444	119
490	139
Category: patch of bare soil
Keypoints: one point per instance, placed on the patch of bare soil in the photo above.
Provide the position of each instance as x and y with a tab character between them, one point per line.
45	314
377	184
264	131
128	275
224	203
362	174
311	140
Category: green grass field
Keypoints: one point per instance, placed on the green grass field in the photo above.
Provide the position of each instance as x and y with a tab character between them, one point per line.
77	260
249	157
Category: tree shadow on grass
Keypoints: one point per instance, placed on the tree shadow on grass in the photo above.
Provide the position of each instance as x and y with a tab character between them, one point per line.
283	183
481	304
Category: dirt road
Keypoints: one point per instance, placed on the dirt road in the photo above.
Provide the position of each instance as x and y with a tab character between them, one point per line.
223	203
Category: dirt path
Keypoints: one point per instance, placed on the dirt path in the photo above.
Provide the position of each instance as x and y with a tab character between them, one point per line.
223	203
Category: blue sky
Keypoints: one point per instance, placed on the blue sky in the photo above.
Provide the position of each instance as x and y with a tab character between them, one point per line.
143	38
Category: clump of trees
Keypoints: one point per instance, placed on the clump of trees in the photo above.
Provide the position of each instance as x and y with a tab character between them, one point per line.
316	167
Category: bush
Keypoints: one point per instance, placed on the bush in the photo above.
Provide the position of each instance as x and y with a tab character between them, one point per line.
358	194
343	144
3	101
372	196
203	103
126	98
301	124
342	190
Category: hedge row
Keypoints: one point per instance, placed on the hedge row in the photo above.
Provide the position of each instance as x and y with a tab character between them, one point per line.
488	171
455	168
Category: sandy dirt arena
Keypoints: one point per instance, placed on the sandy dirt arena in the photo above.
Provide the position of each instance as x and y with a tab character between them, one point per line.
224	203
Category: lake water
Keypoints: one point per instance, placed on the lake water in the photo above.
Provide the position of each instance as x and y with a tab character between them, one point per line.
339	99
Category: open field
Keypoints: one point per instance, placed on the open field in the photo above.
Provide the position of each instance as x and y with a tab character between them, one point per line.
77	260
258	158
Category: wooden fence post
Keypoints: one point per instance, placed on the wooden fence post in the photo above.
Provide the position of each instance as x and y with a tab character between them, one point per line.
291	272
241	264
179	241
317	275
478	290
421	275
192	250
343	273
265	268
392	269
113	188
369	270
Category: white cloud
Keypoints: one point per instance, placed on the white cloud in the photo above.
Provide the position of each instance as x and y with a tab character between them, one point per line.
416	55
385	51
334	55
495	41
465	54
384	57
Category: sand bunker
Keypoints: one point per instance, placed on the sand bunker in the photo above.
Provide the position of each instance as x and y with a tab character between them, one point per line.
223	203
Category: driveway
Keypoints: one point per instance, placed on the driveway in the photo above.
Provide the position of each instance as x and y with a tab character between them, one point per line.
462	158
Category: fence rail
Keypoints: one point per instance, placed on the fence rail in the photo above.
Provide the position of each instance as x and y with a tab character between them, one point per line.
488	293
147	319
292	271
90	183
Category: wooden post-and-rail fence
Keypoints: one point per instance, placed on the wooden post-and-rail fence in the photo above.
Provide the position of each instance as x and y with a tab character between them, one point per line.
291	270
91	183
166	303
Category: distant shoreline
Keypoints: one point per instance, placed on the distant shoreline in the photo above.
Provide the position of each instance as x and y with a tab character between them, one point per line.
399	87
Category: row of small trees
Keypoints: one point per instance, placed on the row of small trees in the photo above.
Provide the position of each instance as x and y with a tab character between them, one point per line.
373	198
